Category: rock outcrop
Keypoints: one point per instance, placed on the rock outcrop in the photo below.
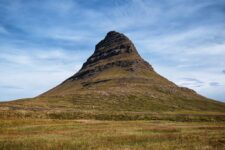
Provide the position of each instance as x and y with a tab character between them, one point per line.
114	50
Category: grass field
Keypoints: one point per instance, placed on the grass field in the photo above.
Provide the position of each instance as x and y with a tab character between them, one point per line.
45	134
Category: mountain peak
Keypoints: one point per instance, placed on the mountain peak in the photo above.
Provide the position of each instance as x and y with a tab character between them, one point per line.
115	50
112	38
113	33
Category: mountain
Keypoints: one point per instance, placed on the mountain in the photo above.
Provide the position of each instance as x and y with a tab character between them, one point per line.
115	78
116	73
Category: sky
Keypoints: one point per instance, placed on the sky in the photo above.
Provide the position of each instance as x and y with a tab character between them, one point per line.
43	42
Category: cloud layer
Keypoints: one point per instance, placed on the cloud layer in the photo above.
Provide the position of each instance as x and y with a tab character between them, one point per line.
44	42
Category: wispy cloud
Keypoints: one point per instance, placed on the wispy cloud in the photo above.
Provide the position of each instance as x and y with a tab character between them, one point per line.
215	84
223	71
3	30
10	87
191	82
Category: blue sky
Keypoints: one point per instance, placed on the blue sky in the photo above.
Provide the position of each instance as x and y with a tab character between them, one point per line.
44	42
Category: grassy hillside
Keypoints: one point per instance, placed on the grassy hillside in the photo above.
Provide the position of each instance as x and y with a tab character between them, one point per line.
125	95
120	90
114	108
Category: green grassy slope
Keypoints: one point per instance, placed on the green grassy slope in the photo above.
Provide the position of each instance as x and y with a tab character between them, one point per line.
119	90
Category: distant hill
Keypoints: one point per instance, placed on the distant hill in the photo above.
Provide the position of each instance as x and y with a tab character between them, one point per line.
115	79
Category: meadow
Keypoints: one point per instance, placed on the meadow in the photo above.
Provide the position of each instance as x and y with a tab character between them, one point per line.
55	134
128	123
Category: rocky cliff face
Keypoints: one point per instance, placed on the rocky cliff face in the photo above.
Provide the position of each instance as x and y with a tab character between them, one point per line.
115	50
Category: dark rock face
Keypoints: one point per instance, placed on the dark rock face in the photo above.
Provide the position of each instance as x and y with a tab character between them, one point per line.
115	50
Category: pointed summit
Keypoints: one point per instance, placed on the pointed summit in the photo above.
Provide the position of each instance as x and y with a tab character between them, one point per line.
115	50
112	38
115	40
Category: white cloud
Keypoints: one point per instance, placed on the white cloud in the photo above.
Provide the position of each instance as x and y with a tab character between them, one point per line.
199	80
3	30
66	34
18	59
35	71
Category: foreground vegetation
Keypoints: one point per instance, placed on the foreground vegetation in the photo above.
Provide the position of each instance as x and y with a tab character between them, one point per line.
112	122
92	134
114	108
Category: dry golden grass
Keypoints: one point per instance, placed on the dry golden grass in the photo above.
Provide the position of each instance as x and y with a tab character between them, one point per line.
47	134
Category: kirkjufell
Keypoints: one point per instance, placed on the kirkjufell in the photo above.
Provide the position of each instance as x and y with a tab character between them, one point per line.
116	79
